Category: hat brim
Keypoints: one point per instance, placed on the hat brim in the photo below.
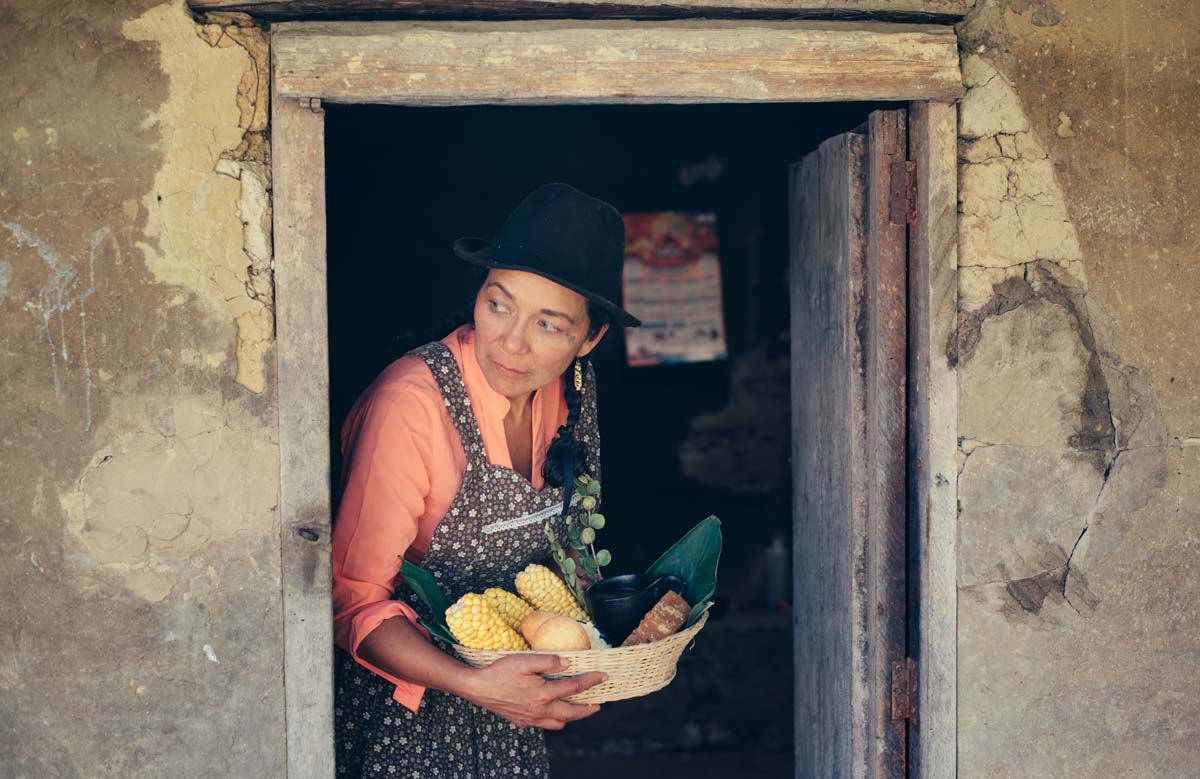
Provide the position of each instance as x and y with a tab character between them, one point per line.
481	252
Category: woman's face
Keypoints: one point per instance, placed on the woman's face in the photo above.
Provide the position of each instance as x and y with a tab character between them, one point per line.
528	329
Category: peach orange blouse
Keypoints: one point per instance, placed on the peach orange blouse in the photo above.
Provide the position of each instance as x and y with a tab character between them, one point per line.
403	465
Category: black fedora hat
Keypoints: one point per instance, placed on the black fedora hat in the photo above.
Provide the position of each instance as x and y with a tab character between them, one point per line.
562	234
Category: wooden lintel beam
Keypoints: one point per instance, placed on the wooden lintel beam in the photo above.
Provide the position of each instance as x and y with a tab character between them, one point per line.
556	62
935	11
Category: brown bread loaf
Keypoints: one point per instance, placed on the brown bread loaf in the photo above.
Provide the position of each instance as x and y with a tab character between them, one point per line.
665	619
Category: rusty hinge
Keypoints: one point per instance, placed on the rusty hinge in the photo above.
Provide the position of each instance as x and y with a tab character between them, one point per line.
902	198
904	689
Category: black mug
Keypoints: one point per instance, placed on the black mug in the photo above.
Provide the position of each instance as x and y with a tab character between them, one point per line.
618	603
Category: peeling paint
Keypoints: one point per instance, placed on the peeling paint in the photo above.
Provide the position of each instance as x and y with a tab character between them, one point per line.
1012	211
210	112
122	515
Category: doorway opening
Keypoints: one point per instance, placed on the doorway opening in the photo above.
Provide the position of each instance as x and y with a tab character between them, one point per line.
679	441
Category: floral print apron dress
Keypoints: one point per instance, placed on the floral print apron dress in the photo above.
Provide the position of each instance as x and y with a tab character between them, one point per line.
492	530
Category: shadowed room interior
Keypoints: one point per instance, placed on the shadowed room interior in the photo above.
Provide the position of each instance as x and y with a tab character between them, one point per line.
680	442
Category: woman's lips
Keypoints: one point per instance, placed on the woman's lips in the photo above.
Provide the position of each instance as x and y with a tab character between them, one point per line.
507	371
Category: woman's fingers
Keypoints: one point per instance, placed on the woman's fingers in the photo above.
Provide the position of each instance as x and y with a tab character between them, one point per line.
575	684
518	693
535	663
569	712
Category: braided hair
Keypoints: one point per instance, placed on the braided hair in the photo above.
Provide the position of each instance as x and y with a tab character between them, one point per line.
564	441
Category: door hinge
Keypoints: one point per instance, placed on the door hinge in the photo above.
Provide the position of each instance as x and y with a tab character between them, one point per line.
902	198
904	689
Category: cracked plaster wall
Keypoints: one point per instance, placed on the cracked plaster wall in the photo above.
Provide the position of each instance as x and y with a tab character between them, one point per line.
1079	462
140	634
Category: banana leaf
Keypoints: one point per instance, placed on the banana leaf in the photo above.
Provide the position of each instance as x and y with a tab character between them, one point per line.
696	611
438	631
431	595
694	559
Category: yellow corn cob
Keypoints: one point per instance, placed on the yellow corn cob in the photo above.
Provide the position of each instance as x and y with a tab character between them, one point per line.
538	585
476	625
511	608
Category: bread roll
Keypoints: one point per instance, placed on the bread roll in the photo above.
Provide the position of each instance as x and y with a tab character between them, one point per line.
533	621
559	634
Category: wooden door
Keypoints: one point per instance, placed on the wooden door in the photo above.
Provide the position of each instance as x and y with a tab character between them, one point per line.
850	204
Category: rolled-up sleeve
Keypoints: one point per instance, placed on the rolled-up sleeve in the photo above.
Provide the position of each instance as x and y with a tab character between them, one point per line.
386	481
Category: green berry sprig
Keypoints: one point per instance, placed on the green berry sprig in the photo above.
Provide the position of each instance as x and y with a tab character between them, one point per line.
579	561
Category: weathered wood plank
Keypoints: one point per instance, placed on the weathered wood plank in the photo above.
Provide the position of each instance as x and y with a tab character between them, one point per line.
828	213
279	10
933	386
849	341
298	171
885	314
548	62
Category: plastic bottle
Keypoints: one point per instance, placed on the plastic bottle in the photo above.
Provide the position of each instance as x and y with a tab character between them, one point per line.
779	589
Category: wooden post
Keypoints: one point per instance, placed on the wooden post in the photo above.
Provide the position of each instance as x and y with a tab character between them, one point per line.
298	173
886	366
933	422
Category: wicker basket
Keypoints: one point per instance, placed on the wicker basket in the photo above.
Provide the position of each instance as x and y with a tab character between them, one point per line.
632	671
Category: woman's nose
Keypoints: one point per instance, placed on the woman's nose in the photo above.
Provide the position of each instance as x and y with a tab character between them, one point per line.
513	339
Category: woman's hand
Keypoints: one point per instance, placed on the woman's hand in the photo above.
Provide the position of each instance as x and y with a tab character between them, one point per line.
512	688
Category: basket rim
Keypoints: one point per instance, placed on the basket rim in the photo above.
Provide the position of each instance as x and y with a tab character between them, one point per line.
580	654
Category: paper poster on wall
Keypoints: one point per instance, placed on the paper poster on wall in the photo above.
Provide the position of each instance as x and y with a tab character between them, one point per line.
672	282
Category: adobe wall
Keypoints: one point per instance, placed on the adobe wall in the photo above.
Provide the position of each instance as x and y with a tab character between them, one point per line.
142	624
1079	423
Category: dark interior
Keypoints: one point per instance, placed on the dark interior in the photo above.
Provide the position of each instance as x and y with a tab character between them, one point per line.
679	442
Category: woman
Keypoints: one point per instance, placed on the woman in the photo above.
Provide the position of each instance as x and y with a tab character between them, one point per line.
455	458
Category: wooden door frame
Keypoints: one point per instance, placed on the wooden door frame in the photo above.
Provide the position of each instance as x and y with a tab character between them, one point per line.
456	63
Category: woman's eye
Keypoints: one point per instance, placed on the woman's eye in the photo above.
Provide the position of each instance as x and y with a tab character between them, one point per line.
497	307
547	326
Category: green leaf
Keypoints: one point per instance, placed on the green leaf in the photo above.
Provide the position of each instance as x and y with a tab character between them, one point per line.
593	487
694	559
568	566
589	566
427	590
603	557
588	503
596	521
587	535
437	630
696	612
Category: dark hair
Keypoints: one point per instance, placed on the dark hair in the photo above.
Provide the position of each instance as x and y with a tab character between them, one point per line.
552	468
